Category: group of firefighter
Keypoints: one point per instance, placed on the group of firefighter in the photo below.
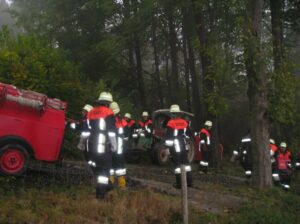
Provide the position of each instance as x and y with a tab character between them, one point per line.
281	160
105	133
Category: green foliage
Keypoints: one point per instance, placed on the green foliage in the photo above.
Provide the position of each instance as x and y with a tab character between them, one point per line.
283	108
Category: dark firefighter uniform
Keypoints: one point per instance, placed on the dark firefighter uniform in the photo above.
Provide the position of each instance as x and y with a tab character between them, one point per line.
297	164
204	146
146	125
83	128
118	164
177	128
100	144
245	154
131	125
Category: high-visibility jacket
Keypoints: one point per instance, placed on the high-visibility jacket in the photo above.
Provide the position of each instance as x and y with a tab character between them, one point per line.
146	125
205	139
121	125
176	130
101	120
283	160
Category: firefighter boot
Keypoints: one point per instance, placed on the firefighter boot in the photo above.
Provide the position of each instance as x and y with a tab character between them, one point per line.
121	181
112	180
100	191
189	179
177	184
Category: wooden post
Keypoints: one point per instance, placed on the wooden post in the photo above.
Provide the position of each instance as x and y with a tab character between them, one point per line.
184	199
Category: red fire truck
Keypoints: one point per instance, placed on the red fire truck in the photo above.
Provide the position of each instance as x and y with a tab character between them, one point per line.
31	126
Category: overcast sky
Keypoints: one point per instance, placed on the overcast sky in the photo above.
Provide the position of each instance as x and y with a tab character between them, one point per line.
8	2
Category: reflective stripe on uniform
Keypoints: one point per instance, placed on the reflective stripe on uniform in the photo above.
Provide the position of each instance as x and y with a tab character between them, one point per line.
248	172
208	140
111	172
246	140
202	163
177	170
102	124
102	180
120	146
177	146
111	134
85	134
169	142
101	143
175	132
188	168
121	172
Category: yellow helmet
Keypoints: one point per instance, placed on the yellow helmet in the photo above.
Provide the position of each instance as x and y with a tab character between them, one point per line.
115	107
175	108
105	96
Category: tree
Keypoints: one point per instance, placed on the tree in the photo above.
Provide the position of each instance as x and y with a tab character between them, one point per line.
258	95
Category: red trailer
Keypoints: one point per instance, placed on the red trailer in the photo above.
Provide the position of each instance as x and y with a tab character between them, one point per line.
31	126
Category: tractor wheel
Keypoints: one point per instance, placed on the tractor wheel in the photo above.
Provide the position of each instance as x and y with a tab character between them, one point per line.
14	159
161	154
191	151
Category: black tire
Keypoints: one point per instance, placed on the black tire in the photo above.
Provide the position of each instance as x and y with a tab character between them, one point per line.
191	151
161	154
14	159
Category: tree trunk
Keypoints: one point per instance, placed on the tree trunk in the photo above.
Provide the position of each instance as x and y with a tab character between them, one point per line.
189	31
258	96
168	78
187	73
208	81
277	7
156	60
174	61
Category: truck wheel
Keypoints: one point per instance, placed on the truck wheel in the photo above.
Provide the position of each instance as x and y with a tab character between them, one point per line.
13	159
161	154
191	151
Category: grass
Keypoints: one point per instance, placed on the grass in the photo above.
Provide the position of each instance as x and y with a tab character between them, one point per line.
60	203
56	204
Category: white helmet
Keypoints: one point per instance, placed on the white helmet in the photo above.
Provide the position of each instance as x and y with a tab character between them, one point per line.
115	107
145	114
127	115
87	107
175	108
105	96
283	144
272	141
208	123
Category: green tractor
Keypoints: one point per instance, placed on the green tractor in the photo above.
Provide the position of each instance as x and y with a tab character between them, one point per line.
153	145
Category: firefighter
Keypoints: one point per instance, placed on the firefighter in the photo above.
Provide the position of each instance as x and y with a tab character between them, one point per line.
102	141
145	124
284	165
118	164
245	155
82	127
204	146
273	153
177	132
130	123
297	164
